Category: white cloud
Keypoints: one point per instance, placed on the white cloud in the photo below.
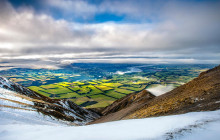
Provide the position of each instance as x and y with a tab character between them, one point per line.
183	35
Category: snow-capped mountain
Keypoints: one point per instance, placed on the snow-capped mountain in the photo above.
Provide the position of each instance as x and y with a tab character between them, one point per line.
26	104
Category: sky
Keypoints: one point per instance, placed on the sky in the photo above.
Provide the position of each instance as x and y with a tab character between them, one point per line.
53	33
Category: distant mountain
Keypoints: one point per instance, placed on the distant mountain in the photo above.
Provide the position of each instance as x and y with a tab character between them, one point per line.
200	94
15	99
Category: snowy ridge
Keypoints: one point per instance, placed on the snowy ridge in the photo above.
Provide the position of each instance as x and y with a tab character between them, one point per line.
5	83
78	110
15	109
16	97
157	128
10	95
10	99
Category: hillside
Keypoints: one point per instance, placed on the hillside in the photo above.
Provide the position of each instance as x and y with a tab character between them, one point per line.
200	94
26	104
131	99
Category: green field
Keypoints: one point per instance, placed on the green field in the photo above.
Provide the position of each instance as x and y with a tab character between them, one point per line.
90	93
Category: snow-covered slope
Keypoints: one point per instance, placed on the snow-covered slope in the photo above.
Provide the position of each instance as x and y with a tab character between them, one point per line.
16	108
25	105
193	126
6	84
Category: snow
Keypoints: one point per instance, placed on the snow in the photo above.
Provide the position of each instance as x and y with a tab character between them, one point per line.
160	89
89	115
5	82
11	95
137	129
73	113
25	115
210	132
12	117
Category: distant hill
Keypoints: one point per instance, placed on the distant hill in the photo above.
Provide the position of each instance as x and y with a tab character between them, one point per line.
200	94
26	104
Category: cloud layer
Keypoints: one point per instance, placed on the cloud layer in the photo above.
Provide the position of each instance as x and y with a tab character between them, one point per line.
177	32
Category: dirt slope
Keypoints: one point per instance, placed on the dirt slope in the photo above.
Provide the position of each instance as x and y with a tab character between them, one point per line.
122	107
126	101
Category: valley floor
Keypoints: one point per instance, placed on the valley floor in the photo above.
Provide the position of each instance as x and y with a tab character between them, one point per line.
190	126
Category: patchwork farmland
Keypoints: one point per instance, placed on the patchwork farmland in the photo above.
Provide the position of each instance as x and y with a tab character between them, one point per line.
91	93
